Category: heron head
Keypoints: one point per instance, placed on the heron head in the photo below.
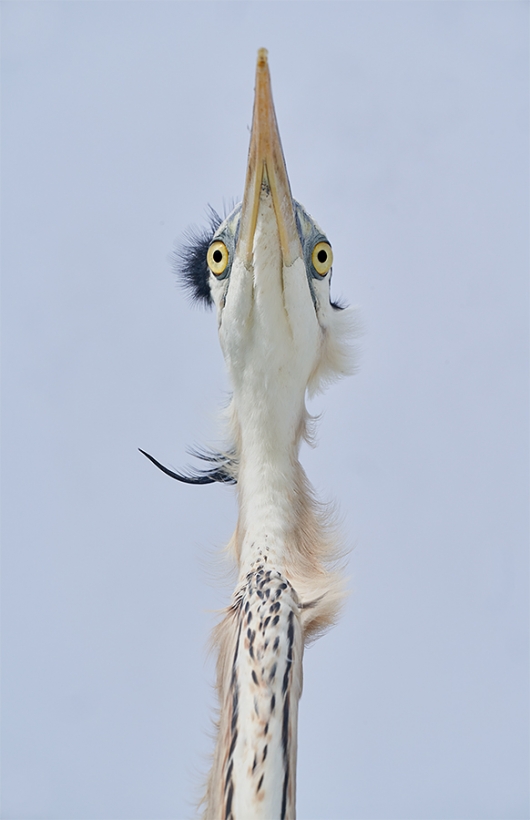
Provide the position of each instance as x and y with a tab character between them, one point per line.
267	269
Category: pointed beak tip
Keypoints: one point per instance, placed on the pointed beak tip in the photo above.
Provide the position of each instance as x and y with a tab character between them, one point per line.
263	58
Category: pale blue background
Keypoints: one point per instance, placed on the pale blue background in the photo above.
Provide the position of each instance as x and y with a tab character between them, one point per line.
405	128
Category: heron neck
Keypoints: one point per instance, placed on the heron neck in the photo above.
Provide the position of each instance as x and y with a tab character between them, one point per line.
267	478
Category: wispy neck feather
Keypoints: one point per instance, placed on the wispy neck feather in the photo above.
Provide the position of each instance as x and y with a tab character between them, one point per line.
282	525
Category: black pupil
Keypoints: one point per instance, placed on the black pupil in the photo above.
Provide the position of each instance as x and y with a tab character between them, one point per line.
217	256
322	257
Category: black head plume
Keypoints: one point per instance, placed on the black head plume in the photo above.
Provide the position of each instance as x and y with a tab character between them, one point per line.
223	469
189	260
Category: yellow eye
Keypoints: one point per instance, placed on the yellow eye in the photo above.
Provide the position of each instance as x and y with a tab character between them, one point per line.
217	257
322	257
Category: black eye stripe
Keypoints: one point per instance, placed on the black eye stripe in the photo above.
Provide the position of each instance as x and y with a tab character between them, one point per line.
189	261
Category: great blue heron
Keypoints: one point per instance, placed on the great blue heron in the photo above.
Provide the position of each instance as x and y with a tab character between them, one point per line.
267	270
